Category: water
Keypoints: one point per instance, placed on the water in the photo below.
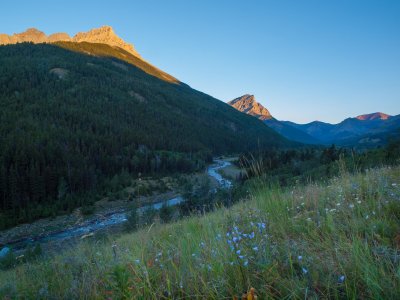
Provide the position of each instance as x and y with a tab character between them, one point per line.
115	218
212	171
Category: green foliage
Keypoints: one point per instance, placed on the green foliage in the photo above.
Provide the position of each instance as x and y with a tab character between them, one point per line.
133	221
148	216
31	254
101	123
87	210
289	167
166	213
337	240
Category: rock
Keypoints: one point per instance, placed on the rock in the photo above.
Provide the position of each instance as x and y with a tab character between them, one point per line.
59	37
102	35
4	252
249	105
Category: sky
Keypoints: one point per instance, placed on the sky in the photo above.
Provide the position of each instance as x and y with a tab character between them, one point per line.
303	60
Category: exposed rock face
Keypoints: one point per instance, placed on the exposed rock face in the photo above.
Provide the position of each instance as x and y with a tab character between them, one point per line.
249	105
374	116
102	35
57	37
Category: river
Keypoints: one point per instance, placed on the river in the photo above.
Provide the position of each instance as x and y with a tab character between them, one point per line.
115	218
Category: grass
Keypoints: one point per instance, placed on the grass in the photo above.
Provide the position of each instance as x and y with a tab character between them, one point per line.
336	240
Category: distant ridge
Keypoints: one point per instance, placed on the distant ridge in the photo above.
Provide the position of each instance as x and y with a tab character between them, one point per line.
373	116
102	35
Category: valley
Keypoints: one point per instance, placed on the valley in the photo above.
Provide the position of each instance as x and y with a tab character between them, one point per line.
66	230
118	180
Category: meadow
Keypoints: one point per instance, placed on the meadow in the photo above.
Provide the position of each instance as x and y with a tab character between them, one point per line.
338	239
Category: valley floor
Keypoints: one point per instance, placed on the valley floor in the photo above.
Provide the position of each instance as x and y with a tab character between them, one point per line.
334	240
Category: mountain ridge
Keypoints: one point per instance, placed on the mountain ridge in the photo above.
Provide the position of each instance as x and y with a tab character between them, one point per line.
364	130
103	35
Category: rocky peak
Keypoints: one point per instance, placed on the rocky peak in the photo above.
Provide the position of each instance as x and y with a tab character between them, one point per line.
248	104
373	116
102	35
31	35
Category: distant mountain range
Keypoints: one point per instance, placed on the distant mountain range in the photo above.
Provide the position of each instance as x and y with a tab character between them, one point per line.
364	131
102	35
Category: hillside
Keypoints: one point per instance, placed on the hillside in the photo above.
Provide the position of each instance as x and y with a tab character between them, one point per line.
75	115
321	241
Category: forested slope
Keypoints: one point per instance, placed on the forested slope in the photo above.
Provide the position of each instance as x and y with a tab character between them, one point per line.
70	120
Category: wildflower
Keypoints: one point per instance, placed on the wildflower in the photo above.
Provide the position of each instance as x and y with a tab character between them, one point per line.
332	210
366	217
193	254
137	261
351	205
359	201
202	244
246	263
251	236
218	237
341	279
338	204
255	248
238	252
305	271
309	219
394	184
241	256
299	257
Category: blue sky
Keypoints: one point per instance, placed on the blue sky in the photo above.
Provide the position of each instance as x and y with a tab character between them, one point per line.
304	60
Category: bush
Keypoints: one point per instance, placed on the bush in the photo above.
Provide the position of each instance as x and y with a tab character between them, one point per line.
166	213
133	220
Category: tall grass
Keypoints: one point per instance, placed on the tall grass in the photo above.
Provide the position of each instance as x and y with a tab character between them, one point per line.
337	240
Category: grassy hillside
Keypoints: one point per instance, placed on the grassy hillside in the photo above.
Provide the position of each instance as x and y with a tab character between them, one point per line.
334	240
70	121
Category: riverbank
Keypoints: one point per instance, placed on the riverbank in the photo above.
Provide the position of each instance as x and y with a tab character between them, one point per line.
51	232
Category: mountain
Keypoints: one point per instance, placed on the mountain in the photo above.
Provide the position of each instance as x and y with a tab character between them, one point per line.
249	105
367	130
76	117
363	131
102	35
